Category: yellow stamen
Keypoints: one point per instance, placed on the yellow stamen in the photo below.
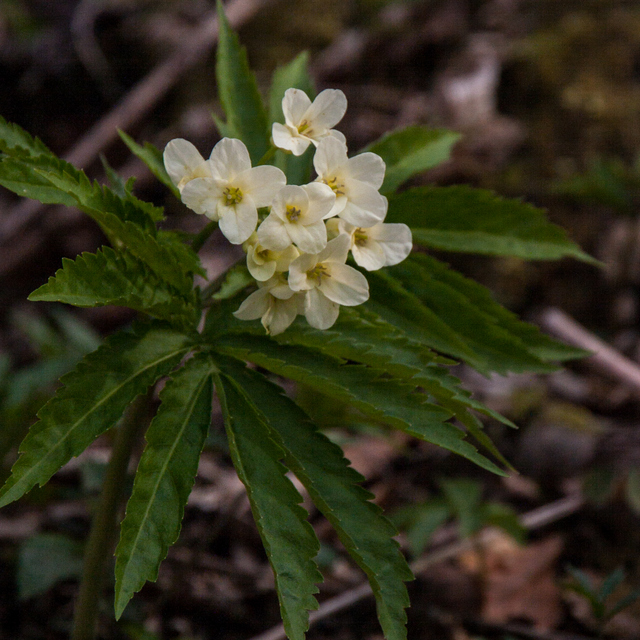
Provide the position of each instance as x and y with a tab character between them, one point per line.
232	195
360	237
317	273
335	185
293	213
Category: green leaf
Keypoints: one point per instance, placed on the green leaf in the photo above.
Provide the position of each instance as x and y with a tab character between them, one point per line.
412	150
288	538
494	335
362	336
611	583
421	521
16	141
390	400
152	157
164	478
334	487
44	560
92	400
464	494
460	218
235	280
238	91
294	75
500	515
111	278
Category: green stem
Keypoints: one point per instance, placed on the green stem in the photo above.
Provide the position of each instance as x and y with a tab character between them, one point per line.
268	155
104	526
198	241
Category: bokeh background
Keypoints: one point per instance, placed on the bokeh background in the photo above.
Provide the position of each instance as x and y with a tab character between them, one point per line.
547	96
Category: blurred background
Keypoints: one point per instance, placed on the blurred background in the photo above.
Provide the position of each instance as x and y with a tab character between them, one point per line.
547	96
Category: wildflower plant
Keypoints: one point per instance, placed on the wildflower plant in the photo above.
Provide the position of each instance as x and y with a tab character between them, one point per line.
330	295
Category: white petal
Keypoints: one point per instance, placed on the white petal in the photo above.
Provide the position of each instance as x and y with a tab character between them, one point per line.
183	162
367	167
261	184
202	196
261	270
321	200
280	315
329	157
228	159
339	135
345	285
294	105
286	257
272	234
320	312
310	238
290	195
336	250
327	110
365	206
238	222
370	255
285	137
298	280
395	239
255	306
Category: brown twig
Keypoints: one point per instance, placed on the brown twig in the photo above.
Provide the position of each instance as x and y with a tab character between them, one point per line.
534	519
604	357
138	102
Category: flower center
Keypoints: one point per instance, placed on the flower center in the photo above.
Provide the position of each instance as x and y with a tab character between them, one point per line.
293	213
317	273
360	237
335	185
304	127
232	195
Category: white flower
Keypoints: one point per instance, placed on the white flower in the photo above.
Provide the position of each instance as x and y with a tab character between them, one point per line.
233	191
328	281
274	303
382	245
297	215
308	122
263	263
355	182
183	162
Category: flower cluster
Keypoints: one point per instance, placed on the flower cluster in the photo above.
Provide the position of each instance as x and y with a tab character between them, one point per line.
298	252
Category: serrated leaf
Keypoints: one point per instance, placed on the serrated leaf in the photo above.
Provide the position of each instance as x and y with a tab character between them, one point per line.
537	343
288	538
393	401
116	278
460	218
164	478
334	487
478	322
410	151
16	141
152	157
362	336
238	91
92	400
116	182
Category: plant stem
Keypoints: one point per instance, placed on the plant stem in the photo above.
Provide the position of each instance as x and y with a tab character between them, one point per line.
198	241
103	528
268	155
